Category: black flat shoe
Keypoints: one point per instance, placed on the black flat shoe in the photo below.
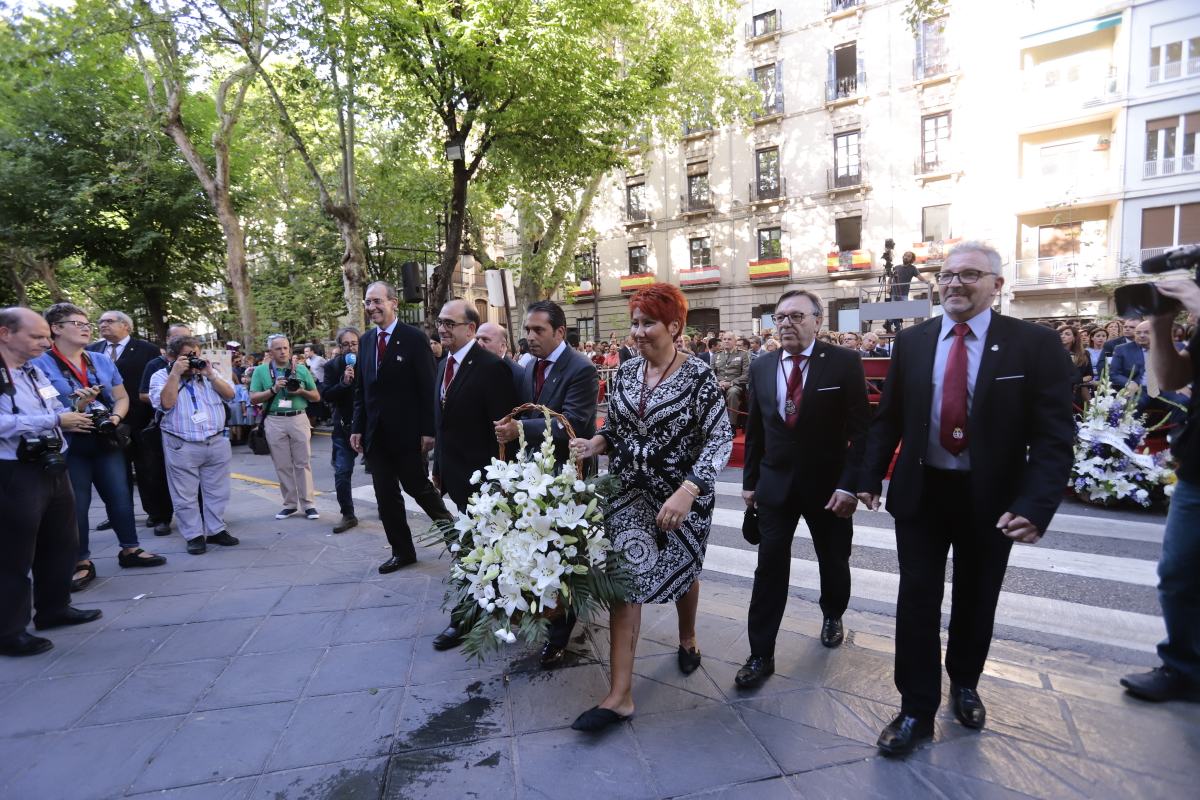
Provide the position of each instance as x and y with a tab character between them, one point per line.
69	616
346	524
162	528
552	656
224	539
24	644
104	526
596	719
1161	684
832	633
968	708
394	563
903	734
79	584
450	637
135	559
689	660
197	546
756	670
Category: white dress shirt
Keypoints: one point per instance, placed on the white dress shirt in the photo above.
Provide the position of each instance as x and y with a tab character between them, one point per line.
787	364
389	330
552	358
121	345
936	455
459	357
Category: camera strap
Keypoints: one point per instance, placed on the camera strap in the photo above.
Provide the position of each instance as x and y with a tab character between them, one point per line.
89	375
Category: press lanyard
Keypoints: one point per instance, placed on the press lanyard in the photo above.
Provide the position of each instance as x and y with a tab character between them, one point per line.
80	375
191	390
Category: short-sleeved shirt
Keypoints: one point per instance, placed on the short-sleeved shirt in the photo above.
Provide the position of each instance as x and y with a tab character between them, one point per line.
1188	448
102	372
264	378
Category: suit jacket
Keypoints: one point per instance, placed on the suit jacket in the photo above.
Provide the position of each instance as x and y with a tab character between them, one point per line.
824	451
518	376
480	393
1111	345
337	395
1020	430
571	389
625	353
1128	364
132	363
393	402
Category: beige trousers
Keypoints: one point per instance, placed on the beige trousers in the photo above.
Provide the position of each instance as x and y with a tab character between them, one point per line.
291	451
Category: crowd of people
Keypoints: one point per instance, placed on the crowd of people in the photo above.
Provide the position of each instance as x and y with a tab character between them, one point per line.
976	416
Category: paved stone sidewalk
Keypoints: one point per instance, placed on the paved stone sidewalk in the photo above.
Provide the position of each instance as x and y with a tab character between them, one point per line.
288	668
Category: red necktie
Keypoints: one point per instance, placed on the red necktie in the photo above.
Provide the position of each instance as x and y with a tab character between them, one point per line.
449	377
382	342
953	432
795	390
539	377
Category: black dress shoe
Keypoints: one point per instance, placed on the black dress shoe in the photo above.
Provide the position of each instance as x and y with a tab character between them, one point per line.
596	719
756	670
451	637
24	644
104	526
552	656
968	708
832	633
689	660
904	733
346	524
197	546
68	616
162	528
1161	684
224	539
394	563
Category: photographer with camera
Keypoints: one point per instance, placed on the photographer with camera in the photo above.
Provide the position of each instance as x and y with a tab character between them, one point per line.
192	397
284	387
90	383
337	392
1179	567
39	508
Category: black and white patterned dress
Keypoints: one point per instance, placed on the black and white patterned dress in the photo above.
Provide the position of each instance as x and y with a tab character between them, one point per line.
684	435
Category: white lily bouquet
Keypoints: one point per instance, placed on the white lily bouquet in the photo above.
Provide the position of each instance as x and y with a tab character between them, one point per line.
529	544
1108	468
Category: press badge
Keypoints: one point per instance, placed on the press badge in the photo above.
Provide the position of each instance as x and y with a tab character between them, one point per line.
199	417
48	392
284	404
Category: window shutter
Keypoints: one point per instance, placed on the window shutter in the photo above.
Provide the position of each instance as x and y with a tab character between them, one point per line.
919	70
861	71
779	87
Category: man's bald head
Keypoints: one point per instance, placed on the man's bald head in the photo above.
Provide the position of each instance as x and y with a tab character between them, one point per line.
493	337
24	335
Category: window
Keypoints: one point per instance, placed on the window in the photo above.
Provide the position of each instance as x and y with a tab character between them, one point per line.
847	168
931	49
765	23
770	243
935	223
635	201
701	252
935	141
1060	161
1167	152
582	267
1167	60
849	233
587	329
766	174
845	72
1169	226
698	195
637	259
769	82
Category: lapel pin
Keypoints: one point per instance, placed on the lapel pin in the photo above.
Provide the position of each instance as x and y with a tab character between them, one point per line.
399	358
822	355
995	348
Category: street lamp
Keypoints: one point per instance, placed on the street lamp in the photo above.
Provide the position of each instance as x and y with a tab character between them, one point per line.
455	150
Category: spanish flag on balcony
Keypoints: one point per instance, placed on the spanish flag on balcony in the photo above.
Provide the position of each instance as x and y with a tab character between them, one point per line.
933	252
579	292
770	269
848	260
631	283
699	277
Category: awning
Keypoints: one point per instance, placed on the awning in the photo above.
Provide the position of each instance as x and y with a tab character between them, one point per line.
1070	31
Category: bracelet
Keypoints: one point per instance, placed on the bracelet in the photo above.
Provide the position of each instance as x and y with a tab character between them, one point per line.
690	488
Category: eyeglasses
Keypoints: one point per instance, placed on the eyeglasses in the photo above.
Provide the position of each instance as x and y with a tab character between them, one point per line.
83	326
107	321
372	302
449	323
349	343
794	319
966	277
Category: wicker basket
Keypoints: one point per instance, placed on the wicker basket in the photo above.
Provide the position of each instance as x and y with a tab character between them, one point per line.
542	410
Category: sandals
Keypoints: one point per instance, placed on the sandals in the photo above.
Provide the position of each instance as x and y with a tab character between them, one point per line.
596	719
89	570
134	559
689	660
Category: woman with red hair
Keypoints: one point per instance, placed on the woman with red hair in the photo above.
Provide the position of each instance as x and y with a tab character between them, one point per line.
667	435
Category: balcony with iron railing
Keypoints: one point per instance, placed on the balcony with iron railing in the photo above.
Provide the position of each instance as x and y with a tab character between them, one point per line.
839	179
838	6
930	66
768	191
636	216
847	87
1065	100
690	205
1074	271
1170	70
1175	165
935	163
765	27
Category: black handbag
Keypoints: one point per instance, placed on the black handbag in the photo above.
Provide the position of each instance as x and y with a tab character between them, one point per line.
258	440
750	526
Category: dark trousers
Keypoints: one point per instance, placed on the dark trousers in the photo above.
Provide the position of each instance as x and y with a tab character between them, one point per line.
832	538
391	470
91	463
39	534
150	471
342	457
980	560
560	629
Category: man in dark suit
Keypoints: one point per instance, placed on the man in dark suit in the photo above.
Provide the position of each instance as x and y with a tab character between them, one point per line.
393	419
627	350
1128	369
337	391
494	339
131	356
808	414
565	381
980	405
1128	328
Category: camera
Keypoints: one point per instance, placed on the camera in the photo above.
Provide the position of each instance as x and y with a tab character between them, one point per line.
45	449
197	363
291	382
1143	299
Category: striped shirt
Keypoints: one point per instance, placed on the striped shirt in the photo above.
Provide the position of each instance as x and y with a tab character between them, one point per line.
28	412
199	412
